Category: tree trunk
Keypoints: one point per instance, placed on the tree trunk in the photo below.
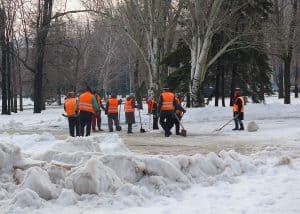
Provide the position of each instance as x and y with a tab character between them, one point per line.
4	61
217	94
42	34
20	86
233	83
137	85
280	82
8	69
287	80
223	85
296	81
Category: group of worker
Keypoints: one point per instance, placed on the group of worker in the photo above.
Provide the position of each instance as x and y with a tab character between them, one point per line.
83	114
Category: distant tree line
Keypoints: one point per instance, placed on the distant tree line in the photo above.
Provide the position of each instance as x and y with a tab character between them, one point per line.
200	48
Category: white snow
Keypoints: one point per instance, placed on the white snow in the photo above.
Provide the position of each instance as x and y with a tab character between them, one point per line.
43	170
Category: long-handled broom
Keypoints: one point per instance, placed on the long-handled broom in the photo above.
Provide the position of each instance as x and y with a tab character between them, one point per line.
141	129
183	130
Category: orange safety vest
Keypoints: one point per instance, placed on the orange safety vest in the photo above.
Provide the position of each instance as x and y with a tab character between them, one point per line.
149	102
113	105
128	106
86	102
70	106
167	101
98	100
235	105
152	105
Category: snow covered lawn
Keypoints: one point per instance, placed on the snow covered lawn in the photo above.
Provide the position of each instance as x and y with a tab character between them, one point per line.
42	170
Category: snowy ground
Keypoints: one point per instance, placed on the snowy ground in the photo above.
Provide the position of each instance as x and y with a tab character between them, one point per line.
42	170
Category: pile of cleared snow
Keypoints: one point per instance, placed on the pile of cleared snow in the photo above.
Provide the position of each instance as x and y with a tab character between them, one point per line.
127	178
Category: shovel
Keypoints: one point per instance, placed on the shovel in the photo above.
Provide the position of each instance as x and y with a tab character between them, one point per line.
119	128
183	130
219	129
141	129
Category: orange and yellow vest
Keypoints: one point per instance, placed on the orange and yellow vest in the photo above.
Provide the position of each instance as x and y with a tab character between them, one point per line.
167	101
113	105
70	106
86	102
235	105
128	106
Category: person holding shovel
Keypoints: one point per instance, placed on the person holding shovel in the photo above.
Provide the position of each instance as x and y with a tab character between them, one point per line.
179	114
70	106
238	110
129	109
96	119
87	106
112	112
166	108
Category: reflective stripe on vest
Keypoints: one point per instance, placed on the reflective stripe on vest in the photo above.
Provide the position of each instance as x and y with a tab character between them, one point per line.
113	105
70	105
128	106
235	105
167	101
86	102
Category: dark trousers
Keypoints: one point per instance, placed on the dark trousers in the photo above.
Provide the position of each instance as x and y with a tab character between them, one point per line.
177	124
166	121
73	125
238	121
113	119
96	118
129	130
155	121
85	120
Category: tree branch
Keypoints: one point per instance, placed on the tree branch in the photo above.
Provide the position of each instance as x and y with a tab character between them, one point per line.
58	14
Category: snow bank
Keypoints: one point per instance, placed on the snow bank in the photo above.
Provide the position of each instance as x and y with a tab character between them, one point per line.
9	156
26	198
38	180
93	178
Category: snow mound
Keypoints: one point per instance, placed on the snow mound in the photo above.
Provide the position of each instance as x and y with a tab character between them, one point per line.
252	126
38	180
67	197
111	144
26	198
10	156
92	178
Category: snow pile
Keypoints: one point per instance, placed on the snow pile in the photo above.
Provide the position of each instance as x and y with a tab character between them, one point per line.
10	156
38	180
252	126
92	178
26	198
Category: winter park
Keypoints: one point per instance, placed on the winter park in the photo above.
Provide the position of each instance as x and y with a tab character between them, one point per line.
139	106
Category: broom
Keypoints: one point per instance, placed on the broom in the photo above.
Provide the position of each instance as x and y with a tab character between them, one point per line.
183	130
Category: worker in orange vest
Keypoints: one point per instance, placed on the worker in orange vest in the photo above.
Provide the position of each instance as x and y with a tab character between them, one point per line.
149	102
97	116
166	107
129	109
179	114
87	107
154	112
70	106
238	110
112	112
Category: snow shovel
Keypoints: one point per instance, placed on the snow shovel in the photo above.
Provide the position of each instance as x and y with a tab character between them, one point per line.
183	130
141	129
219	129
119	128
